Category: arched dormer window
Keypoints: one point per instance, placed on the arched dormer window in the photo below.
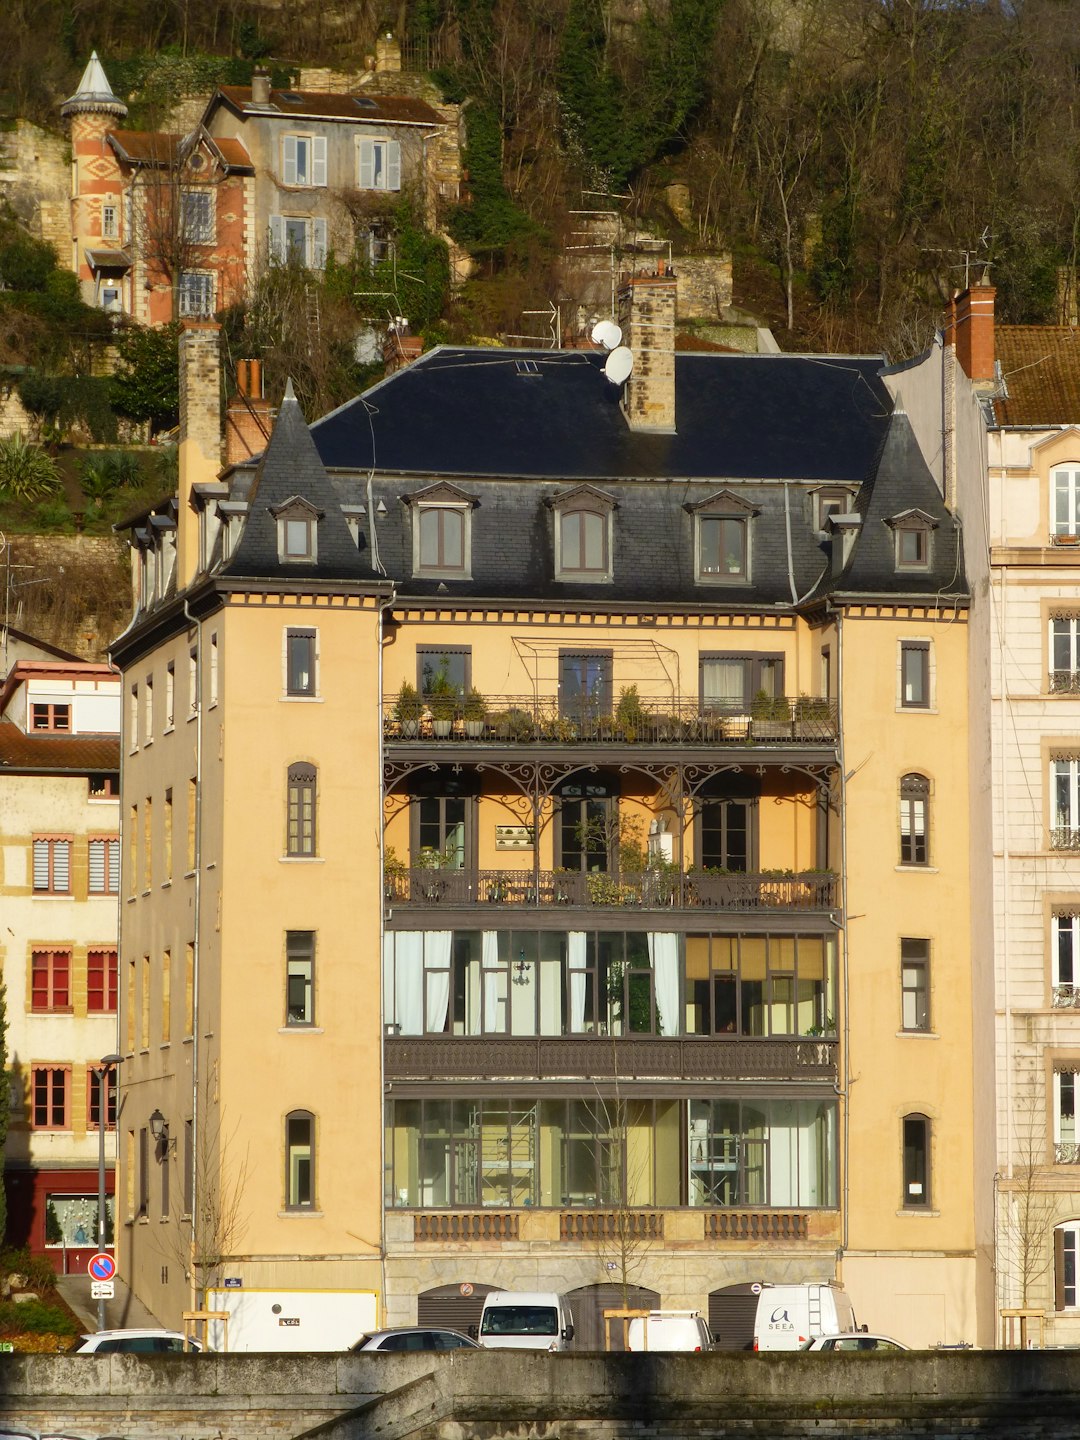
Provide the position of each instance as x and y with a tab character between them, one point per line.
298	531
442	532
722	534
584	525
913	536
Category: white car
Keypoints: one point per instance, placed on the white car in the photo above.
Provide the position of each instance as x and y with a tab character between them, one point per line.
135	1342
854	1340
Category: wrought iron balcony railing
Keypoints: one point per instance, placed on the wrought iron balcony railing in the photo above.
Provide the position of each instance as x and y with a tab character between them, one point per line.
1065	682
1064	837
527	720
650	890
1066	997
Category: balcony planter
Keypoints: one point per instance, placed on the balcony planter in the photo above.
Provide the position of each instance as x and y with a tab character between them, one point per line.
813	718
442	700
474	710
407	711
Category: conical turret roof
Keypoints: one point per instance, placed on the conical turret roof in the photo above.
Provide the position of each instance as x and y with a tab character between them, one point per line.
94	95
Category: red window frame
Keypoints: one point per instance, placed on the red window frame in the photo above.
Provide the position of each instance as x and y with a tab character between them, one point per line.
50	1097
92	1073
102	969
50	982
50	717
110	866
52	887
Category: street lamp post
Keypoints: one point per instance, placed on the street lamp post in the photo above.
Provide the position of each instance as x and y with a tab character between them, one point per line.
108	1064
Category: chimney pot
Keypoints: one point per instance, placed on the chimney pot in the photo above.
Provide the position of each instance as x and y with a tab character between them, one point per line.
260	87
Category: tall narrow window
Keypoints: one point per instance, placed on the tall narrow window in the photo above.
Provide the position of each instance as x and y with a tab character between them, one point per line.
189	989
144	1004
915	984
1065	803
213	669
378	165
585	683
49	1097
148	709
189	1166
300	662
104	866
914	820
916	1162
94	1082
300	836
193	680
1066	1247
441	533
144	1172
1064	654
299	1160
52	865
1066	1136
148	842
170	695
583	544
300	977
192	810
1065	521
167	836
101	967
133	718
166	996
1065	960
915	674
50	981
129	1006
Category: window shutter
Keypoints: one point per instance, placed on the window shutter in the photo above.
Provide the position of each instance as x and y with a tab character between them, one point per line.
97	867
318	160
1059	1269
318	243
61	864
41	864
367	165
393	166
277	239
114	867
288	159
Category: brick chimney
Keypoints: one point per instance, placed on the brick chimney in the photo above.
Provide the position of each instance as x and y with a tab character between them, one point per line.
970	328
400	348
647	317
260	87
200	433
248	419
387	54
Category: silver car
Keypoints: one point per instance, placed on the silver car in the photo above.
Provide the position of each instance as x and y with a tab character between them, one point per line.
415	1337
136	1342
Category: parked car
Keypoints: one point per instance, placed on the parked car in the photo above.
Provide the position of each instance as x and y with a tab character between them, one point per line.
135	1342
526	1320
859	1341
669	1330
415	1337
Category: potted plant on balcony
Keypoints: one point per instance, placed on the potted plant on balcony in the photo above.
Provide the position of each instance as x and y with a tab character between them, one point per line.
407	711
631	717
771	716
474	712
394	872
813	718
442	699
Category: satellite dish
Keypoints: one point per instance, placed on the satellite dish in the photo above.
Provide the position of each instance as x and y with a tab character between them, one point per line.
606	333
619	364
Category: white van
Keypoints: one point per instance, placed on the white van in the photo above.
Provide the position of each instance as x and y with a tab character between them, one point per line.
669	1330
789	1315
526	1320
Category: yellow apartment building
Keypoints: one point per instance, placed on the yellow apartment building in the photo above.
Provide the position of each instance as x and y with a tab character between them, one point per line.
518	742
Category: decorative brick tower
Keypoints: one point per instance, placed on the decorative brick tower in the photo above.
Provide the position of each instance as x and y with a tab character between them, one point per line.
96	210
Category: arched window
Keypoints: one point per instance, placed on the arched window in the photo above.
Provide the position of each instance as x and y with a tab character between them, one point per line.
916	1162
300	826
914	820
299	1160
1065	514
584	531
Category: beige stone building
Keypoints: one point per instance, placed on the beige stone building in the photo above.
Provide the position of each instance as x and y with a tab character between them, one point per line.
546	847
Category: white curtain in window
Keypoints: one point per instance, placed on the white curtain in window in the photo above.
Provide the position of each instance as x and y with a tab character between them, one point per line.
723	682
577	961
437	947
408	977
664	959
494	984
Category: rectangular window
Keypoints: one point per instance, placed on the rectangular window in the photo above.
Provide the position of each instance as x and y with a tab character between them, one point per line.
1066	1246
1065	804
110	227
300	977
50	981
912	547
299	1161
733	682
298	240
101	970
723	548
95	1077
213	669
170	695
49	1096
915	674
192	806
196	289
148	698
1064	958
378	165
50	717
129	1007
583	544
104	866
189	1167
914	820
585	683
105	785
193	681
167	836
144	1172
438	666
166	996
1066	503
300	662
915	984
189	989
133	849
52	866
1065	654
303	159
300	831
144	1004
148	842
1066	1135
916	1162
133	718
197	217
441	536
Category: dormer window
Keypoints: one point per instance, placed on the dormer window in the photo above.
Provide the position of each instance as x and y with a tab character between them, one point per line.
913	533
584	524
722	539
442	532
827	503
298	532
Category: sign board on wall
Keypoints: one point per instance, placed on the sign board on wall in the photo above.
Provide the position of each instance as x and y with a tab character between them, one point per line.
514	837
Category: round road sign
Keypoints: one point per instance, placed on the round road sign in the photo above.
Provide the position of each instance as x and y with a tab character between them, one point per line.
101	1266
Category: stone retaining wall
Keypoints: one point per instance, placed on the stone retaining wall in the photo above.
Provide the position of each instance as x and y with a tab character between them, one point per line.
508	1395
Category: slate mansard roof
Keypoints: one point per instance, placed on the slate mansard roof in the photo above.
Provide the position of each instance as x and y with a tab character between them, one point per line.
513	432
